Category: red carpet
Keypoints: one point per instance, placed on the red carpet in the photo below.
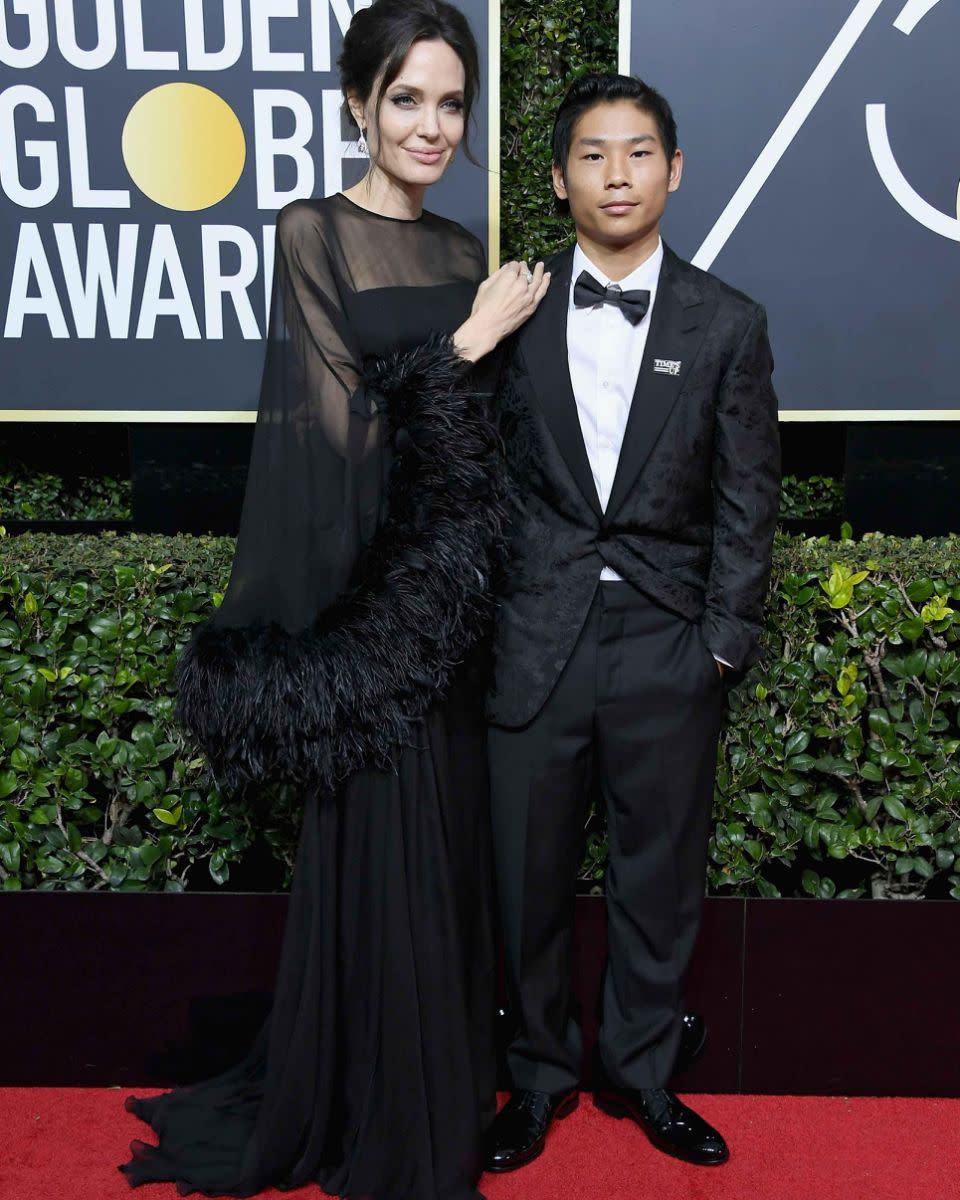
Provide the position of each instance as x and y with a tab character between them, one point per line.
64	1144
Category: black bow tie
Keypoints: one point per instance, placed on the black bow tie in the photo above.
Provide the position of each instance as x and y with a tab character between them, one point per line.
588	291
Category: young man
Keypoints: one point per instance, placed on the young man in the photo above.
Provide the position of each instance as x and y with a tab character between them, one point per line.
641	434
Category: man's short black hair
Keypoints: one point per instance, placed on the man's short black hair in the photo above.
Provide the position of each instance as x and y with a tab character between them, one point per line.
602	88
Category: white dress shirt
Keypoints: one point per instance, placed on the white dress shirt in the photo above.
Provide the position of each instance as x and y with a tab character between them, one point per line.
605	352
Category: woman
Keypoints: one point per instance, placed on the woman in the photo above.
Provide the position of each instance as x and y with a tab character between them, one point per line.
359	585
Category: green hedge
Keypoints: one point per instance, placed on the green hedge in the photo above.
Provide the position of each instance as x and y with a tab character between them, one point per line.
543	48
816	496
39	496
32	495
96	788
29	495
842	758
838	772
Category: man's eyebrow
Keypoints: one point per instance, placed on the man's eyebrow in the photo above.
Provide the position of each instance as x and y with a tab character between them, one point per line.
602	141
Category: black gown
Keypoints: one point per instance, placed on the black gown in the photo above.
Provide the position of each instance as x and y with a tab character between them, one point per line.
336	663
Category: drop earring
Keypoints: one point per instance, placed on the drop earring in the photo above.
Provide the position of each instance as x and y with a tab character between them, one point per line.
362	147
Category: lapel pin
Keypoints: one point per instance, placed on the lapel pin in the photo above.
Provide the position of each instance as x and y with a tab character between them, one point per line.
666	366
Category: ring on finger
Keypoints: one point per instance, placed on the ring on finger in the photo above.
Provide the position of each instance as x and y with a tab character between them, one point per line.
529	278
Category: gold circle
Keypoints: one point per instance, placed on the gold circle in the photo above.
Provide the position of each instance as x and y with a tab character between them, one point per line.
183	146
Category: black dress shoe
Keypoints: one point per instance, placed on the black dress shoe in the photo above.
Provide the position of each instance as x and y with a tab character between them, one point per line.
668	1123
519	1129
693	1038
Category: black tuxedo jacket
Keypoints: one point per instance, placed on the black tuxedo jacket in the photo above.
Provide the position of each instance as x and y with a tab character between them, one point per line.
693	508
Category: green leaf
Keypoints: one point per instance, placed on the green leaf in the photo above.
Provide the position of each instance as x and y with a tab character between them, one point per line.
9	734
104	627
895	808
49	865
831	764
10	856
936	610
73	779
915	663
797	743
149	854
800	762
920	590
219	871
911	628
8	783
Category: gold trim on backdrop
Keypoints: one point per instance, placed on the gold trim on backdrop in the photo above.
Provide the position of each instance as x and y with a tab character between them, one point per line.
623	47
249	416
870	414
493	137
132	416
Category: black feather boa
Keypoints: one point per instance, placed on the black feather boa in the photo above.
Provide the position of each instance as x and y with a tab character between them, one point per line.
312	707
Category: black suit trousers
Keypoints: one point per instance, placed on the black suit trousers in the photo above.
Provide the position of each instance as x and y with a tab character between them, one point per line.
637	711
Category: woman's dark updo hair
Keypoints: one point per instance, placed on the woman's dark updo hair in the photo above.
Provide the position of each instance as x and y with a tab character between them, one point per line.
379	40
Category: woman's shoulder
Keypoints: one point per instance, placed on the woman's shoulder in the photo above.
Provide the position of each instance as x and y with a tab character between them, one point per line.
458	234
301	218
453	228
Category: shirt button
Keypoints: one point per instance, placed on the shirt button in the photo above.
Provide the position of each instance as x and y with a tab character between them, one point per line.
605	384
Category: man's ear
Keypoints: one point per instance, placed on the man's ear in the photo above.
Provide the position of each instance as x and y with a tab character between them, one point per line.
676	171
559	183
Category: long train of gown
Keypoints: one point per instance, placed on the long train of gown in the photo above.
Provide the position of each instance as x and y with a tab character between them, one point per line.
374	1073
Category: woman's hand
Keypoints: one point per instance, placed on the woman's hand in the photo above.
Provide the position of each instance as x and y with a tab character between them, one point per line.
502	303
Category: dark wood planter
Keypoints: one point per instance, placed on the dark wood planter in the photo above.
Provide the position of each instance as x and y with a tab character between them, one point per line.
801	996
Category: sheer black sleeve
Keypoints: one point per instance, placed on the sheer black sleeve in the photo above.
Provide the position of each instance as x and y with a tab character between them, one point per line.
314	479
370	522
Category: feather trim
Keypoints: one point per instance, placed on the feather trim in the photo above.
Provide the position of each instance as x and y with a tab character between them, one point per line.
314	706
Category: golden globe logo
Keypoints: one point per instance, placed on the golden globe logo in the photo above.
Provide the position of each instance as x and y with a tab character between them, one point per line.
180	144
183	146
